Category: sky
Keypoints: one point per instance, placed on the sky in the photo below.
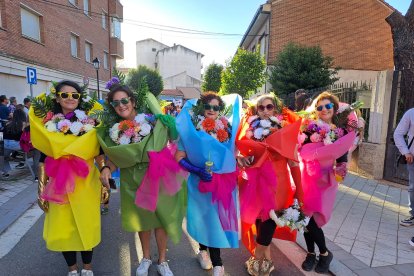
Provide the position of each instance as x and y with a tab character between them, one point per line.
152	19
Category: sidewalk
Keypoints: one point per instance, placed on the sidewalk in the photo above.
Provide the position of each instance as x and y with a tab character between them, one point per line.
364	234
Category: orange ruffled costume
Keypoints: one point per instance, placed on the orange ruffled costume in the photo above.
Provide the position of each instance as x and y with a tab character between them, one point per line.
267	177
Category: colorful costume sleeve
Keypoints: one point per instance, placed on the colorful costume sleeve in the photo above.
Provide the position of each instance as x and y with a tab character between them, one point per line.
212	206
134	160
319	183
74	187
266	184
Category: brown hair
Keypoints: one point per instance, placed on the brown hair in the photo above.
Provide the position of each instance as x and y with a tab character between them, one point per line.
330	97
116	88
206	97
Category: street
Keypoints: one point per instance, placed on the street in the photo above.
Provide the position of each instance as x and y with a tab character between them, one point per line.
119	252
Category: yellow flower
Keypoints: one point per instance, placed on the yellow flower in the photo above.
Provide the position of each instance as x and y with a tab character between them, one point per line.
53	90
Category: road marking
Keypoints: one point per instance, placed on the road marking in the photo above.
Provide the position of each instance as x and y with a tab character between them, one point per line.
15	232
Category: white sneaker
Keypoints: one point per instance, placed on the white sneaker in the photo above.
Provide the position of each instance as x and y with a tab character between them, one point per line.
164	270
73	273
86	272
143	267
218	271
204	260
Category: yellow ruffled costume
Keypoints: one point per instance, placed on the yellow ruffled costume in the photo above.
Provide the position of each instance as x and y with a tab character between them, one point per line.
75	226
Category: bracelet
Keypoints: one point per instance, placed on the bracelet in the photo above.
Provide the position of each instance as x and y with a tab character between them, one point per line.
104	168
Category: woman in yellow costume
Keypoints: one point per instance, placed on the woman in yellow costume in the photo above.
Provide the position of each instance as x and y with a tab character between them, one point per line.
69	186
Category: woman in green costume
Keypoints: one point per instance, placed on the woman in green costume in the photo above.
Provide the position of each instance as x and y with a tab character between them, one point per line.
143	207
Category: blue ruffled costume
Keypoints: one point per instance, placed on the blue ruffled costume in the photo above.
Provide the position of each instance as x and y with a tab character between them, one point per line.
203	223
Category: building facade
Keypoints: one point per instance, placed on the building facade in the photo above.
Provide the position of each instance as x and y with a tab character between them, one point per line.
60	39
353	32
177	65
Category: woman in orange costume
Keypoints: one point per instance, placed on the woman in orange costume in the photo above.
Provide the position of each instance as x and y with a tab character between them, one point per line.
267	141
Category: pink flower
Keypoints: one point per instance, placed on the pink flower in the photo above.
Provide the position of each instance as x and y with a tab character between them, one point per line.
302	138
339	132
224	121
315	137
129	132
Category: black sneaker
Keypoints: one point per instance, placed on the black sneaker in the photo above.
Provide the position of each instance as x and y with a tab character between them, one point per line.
323	264
412	241
5	175
309	262
19	166
36	179
408	221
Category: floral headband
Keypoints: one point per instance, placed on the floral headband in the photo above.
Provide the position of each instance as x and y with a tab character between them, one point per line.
111	82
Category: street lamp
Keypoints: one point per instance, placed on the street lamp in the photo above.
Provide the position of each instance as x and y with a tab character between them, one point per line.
96	64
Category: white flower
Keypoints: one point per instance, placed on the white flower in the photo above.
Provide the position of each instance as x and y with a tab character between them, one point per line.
191	112
76	127
252	118
136	139
266	132
145	129
343	108
258	133
124	140
265	123
114	132
140	118
88	127
80	114
51	126
86	99
327	140
275	119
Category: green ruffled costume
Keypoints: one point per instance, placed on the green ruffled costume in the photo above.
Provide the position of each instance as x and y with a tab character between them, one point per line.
133	161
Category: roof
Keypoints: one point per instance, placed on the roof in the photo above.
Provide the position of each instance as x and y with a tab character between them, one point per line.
190	92
183	73
260	17
178	45
172	92
151	39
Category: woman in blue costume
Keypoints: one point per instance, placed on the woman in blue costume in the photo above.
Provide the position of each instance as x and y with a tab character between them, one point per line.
207	151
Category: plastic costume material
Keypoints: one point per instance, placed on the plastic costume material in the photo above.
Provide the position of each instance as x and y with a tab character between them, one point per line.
212	206
161	201
266	185
72	222
318	177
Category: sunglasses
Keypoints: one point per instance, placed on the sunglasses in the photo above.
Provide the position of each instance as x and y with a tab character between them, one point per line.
212	107
123	101
269	107
327	106
70	95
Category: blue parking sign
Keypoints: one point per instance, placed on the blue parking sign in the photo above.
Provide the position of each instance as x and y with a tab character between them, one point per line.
31	75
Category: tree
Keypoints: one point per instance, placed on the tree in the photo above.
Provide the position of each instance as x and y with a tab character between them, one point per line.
212	78
402	28
298	66
153	78
244	73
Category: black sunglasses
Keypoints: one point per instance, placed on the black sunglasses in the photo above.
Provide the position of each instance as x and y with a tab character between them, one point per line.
123	101
269	107
72	95
212	107
327	106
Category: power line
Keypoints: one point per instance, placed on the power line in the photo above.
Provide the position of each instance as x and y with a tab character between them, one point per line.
143	24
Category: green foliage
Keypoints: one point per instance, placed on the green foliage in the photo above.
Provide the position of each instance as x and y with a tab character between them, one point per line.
298	66
42	106
121	76
212	78
244	73
154	81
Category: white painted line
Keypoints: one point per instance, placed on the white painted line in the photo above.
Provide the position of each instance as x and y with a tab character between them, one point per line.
18	229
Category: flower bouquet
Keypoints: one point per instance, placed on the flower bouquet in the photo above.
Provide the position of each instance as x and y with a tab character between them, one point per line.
314	131
76	122
260	129
127	131
291	217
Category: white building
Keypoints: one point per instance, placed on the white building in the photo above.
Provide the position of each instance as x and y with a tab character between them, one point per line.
177	65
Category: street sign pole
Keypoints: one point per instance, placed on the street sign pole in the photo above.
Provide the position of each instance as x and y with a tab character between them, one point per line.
31	90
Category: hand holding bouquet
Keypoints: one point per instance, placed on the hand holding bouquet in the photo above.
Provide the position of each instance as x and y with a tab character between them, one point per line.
291	217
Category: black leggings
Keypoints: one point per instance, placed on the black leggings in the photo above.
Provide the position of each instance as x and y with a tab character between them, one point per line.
70	257
214	254
265	230
314	235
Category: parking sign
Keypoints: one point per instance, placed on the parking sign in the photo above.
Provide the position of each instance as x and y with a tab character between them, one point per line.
31	75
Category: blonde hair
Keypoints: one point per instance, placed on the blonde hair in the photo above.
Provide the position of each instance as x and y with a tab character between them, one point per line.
327	95
275	100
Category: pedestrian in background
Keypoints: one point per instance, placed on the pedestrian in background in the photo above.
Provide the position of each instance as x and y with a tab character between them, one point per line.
26	102
4	110
406	127
12	106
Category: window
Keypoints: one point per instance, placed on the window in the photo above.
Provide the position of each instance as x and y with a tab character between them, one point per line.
74	45
30	24
154	50
74	2
88	52
105	61
116	27
2	25
87	7
104	17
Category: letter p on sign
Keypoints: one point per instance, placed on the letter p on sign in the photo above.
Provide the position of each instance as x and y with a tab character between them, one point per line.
31	75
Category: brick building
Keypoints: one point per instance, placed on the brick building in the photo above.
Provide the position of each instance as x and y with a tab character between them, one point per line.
353	32
60	38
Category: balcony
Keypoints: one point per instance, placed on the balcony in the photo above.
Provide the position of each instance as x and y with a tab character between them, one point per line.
115	8
116	47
